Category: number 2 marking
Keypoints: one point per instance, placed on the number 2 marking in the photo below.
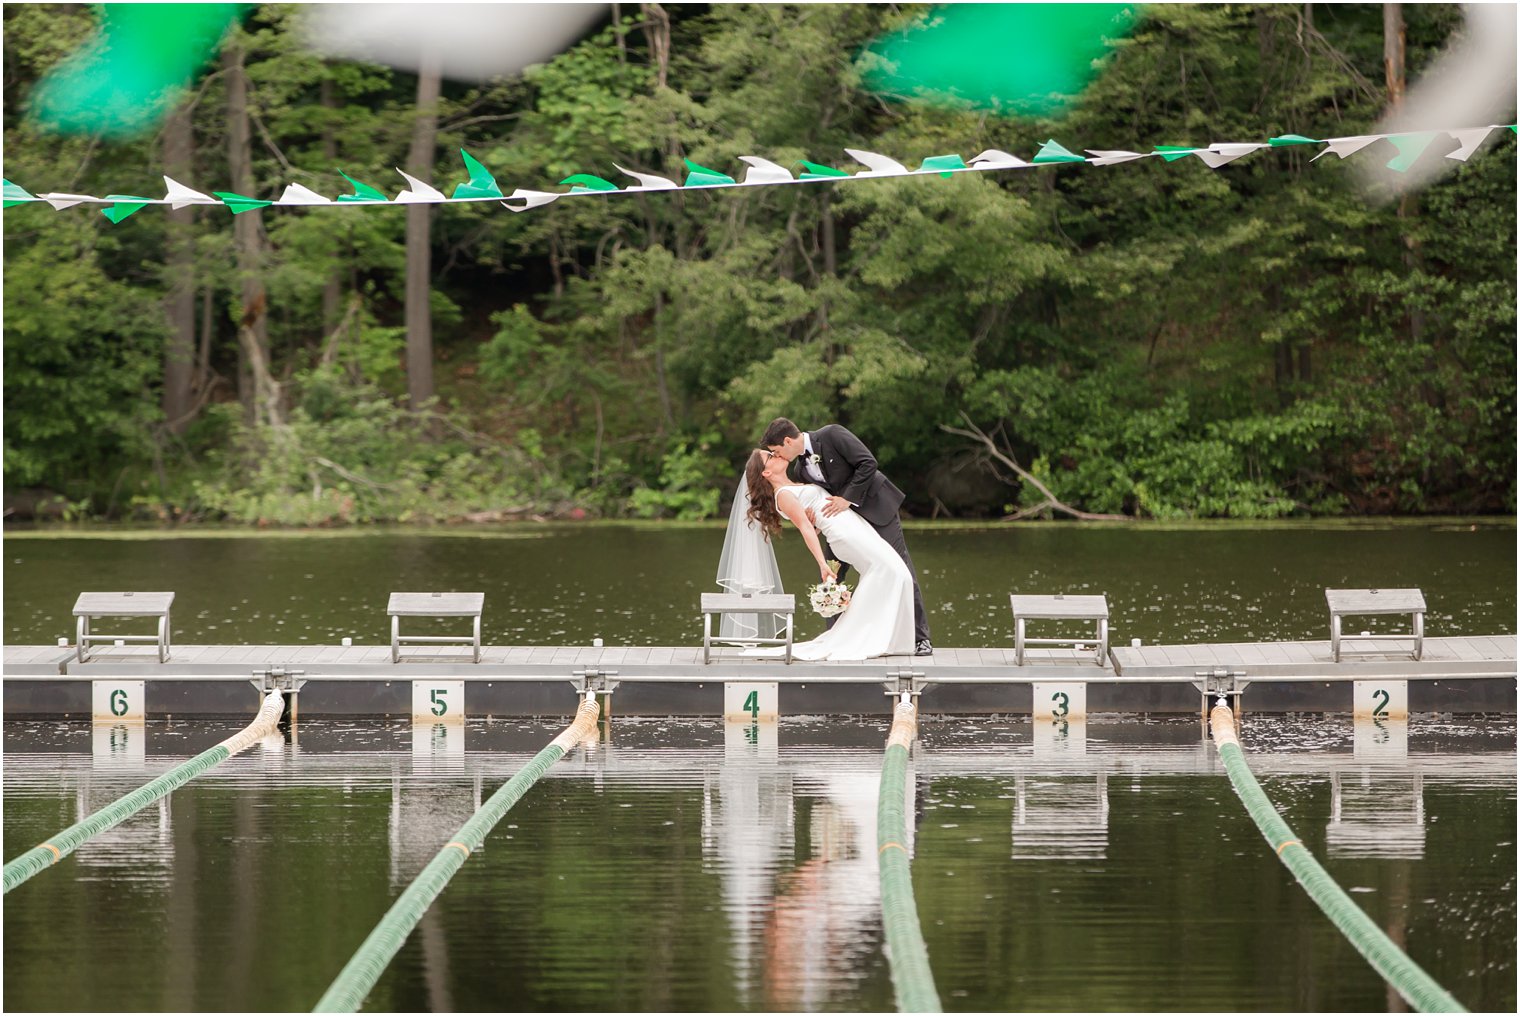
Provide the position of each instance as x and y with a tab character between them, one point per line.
1381	709
1063	704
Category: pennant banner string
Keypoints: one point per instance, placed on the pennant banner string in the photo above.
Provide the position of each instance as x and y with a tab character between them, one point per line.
482	186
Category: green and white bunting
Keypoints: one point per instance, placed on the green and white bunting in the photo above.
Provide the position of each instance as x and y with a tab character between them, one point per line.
481	186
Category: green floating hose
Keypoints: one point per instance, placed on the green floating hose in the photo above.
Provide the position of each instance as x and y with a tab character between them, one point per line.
347	992
907	956
1392	963
47	854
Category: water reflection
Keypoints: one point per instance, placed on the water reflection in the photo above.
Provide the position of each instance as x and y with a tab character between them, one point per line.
743	858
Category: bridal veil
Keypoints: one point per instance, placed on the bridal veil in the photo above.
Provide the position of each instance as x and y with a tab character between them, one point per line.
748	565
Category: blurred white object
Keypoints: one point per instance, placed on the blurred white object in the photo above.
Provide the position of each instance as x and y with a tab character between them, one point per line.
1470	85
473	41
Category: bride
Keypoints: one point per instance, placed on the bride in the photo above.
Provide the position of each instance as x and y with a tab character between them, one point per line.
879	619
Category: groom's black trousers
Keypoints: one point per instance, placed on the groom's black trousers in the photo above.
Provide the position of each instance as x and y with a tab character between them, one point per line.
893	534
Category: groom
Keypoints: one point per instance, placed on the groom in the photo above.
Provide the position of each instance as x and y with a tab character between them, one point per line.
840	462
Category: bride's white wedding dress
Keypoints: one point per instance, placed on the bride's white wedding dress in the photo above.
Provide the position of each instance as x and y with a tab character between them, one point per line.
879	619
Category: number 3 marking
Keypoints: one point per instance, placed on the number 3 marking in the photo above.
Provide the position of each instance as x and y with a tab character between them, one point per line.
1063	704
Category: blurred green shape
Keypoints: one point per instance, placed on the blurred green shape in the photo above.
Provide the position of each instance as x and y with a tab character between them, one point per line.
582	183
129	75
1021	59
1054	151
1292	139
239	203
1171	153
125	205
481	183
1411	147
701	176
15	195
944	162
817	171
362	191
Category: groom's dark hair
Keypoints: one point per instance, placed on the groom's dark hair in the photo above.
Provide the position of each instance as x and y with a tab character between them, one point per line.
780	429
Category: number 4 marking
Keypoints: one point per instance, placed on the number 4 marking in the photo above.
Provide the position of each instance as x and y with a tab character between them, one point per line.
752	704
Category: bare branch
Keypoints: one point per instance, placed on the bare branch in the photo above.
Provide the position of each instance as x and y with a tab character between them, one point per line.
1006	458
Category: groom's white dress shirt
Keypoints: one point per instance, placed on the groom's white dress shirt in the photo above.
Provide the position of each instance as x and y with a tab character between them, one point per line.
811	471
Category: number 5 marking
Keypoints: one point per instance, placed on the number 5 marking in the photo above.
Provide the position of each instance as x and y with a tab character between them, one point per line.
1063	704
1381	709
439	705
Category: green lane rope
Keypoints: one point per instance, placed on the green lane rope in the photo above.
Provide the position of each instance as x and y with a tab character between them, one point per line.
1408	979
47	854
907	956
347	993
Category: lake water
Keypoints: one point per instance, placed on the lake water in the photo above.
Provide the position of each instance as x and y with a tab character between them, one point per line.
685	865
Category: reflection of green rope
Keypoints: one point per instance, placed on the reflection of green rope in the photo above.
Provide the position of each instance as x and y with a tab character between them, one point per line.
1418	988
346	994
66	842
907	955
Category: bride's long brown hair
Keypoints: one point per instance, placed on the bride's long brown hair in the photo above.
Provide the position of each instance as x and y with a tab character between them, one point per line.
762	496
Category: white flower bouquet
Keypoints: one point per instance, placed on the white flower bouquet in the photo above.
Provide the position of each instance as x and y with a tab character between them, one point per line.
829	598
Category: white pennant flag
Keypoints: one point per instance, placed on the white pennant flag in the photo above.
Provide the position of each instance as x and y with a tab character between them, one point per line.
1218	154
179	195
1113	158
764	171
876	165
60	201
1467	142
1343	147
529	198
296	194
647	181
420	193
992	158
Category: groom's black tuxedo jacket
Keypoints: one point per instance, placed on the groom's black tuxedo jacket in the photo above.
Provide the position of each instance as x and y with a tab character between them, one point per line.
849	470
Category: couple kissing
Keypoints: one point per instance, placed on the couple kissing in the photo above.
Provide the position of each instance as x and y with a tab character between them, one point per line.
825	483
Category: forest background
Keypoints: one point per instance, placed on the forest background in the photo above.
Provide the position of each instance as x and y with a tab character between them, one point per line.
1153	339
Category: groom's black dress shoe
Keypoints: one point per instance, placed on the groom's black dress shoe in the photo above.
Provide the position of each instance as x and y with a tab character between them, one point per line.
924	648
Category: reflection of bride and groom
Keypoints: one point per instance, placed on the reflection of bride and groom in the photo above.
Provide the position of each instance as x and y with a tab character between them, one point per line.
826	484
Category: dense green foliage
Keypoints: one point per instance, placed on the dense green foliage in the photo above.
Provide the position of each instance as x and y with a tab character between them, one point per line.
1159	339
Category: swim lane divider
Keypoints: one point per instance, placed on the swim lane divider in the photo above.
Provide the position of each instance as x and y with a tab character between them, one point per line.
907	956
358	976
47	854
1392	963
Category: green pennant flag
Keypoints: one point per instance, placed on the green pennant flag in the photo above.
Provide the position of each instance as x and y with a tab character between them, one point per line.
362	191
585	183
481	183
701	176
815	171
1292	139
238	203
1171	153
945	162
1411	147
1052	151
15	195
125	205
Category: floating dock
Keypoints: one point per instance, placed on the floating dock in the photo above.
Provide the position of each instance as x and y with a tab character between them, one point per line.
1467	674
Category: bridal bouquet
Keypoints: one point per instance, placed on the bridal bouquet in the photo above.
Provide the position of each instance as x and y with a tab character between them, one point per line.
829	598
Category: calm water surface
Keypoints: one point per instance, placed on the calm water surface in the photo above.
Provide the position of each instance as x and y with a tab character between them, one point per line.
687	866
639	585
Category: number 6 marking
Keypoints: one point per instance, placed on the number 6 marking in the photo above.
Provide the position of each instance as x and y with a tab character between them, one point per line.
1063	704
1381	709
119	702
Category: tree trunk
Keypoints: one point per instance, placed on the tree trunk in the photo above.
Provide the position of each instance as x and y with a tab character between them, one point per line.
255	382
332	292
419	261
1393	80
179	304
